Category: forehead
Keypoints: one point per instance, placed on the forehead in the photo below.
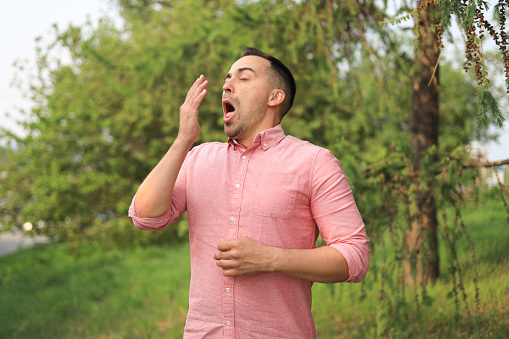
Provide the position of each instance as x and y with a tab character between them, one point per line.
258	64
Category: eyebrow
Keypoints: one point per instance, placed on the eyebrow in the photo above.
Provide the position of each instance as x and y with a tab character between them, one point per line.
240	70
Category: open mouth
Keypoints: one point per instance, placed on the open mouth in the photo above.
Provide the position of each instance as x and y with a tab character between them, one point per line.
228	110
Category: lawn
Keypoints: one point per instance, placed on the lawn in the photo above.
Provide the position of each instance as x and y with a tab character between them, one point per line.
139	293
47	292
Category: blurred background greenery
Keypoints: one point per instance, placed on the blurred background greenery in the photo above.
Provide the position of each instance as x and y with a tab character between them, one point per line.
104	116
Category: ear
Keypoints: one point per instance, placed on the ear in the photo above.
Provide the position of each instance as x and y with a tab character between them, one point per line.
276	97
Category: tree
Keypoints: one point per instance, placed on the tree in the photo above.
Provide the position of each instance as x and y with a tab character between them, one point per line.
101	122
432	18
423	130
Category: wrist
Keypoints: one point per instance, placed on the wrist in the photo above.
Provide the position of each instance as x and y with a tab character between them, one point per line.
184	141
275	263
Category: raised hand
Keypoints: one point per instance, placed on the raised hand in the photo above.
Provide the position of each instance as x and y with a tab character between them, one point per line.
189	128
154	195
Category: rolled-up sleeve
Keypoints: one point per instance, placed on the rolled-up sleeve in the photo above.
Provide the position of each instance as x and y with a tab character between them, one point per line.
337	216
177	207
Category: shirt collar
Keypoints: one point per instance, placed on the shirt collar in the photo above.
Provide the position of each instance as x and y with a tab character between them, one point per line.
266	138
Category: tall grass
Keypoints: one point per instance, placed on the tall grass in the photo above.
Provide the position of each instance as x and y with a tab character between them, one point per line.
47	292
440	310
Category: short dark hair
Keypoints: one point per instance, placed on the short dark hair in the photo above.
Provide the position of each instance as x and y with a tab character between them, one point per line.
284	75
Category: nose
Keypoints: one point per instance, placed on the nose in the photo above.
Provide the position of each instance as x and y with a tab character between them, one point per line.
227	87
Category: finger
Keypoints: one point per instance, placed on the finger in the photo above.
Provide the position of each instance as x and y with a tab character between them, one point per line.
221	263
199	98
224	245
192	105
199	85
231	272
194	100
194	86
227	263
222	256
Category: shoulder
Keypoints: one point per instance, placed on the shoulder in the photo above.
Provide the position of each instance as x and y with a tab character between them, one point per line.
206	150
209	147
307	149
321	160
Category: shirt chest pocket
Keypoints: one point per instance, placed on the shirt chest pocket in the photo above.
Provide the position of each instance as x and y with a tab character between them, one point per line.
275	195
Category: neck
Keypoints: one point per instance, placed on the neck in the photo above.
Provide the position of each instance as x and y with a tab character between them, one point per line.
248	139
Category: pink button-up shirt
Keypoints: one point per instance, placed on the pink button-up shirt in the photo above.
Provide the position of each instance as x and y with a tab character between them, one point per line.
281	192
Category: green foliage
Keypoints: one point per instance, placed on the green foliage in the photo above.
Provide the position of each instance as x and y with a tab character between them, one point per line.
472	19
486	103
103	120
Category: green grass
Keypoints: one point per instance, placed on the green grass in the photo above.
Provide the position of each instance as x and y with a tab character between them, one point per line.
46	292
359	311
139	293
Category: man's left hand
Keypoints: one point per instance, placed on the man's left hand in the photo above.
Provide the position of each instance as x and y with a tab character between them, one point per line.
244	256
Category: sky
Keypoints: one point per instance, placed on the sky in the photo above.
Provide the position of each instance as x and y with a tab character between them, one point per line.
23	20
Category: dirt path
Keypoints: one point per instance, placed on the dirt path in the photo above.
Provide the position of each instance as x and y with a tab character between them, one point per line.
11	242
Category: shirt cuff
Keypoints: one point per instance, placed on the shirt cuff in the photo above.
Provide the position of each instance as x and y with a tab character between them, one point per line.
149	224
356	259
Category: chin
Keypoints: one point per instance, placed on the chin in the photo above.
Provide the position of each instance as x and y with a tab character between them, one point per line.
228	130
231	131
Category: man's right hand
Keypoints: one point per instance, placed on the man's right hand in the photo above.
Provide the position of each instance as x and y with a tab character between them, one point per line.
154	195
189	128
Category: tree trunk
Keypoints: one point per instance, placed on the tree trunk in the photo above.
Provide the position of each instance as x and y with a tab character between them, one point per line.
423	133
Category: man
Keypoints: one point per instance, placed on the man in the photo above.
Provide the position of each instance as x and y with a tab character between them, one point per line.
255	206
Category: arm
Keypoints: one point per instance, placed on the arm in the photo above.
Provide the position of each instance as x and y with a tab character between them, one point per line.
154	196
246	256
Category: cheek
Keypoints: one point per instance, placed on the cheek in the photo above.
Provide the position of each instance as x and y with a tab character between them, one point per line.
259	94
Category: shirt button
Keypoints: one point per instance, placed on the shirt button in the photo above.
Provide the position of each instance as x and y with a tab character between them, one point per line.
232	219
244	157
264	144
228	322
237	185
227	289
